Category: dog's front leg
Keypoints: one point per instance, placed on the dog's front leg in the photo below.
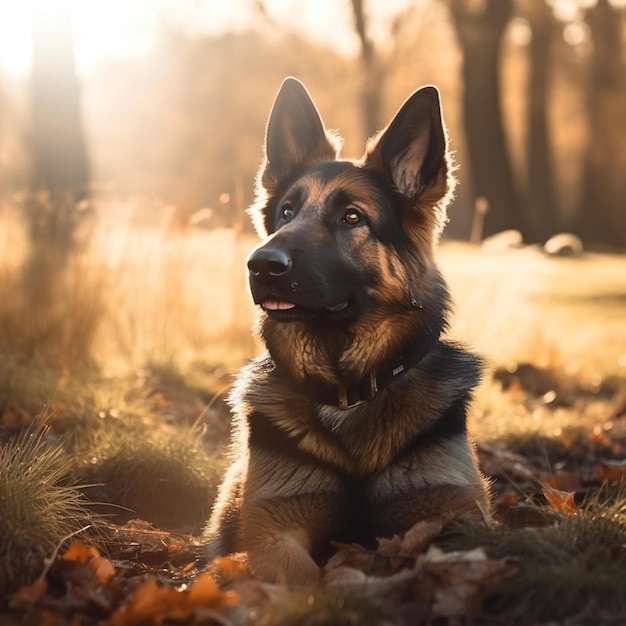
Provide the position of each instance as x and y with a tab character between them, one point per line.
280	534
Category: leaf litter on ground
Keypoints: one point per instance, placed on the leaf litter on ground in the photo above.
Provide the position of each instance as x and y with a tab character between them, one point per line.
551	539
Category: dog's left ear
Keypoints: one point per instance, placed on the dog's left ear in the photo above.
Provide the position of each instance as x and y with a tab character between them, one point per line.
412	150
295	134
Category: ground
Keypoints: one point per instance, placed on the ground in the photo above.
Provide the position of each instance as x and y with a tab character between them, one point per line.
106	472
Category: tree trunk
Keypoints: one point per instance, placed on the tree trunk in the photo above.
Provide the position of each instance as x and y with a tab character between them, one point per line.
602	215
59	155
371	89
480	27
59	161
542	211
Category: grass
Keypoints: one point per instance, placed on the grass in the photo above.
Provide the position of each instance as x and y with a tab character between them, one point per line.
140	291
41	506
151	471
178	296
563	567
519	305
127	355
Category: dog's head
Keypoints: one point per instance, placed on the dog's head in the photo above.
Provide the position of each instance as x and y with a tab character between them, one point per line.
349	241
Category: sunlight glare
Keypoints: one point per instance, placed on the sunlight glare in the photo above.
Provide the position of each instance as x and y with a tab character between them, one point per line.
566	10
101	30
576	33
15	48
121	29
520	32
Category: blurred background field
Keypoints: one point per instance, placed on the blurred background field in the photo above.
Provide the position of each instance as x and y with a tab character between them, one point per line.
131	136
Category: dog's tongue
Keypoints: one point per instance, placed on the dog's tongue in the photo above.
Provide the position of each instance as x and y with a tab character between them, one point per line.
277	305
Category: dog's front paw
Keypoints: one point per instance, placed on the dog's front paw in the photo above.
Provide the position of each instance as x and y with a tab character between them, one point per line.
284	559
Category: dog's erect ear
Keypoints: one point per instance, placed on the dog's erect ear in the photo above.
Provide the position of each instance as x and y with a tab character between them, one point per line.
412	150
295	134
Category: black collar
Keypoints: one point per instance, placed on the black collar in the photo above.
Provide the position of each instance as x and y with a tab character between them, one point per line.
355	392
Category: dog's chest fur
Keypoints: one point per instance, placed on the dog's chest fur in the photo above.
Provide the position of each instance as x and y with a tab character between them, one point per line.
363	457
365	439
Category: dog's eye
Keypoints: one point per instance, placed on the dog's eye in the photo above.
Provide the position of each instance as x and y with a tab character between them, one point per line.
352	217
286	212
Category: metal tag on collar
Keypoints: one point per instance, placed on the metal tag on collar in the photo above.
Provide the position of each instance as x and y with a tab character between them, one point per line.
342	393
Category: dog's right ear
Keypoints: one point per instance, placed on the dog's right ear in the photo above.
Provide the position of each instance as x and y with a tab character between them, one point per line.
295	135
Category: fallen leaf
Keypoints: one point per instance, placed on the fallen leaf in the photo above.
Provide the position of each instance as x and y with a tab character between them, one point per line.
500	461
609	470
460	576
80	553
230	567
345	576
155	603
29	594
560	501
564	482
104	569
15	418
175	545
421	535
418	537
204	591
508	498
352	555
150	602
454	600
437	555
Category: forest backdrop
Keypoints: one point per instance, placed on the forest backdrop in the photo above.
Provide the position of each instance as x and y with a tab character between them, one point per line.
534	95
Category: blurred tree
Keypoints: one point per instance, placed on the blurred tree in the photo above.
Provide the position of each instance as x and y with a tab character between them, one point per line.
373	72
60	173
541	211
480	26
209	98
59	155
602	214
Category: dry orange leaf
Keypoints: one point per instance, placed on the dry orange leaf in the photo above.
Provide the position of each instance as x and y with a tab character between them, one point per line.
418	537
80	553
175	545
29	594
564	482
150	602
104	569
204	591
560	501
609	470
234	566
88	555
154	603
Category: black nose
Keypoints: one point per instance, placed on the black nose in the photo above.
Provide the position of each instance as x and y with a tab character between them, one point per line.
269	262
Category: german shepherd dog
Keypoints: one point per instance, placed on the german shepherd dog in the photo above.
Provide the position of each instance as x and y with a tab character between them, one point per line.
353	425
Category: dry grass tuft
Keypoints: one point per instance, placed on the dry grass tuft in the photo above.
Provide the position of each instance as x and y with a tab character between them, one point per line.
53	292
154	472
564	568
177	297
126	291
40	505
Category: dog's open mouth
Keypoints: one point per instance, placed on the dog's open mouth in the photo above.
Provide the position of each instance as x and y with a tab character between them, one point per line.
284	310
277	305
